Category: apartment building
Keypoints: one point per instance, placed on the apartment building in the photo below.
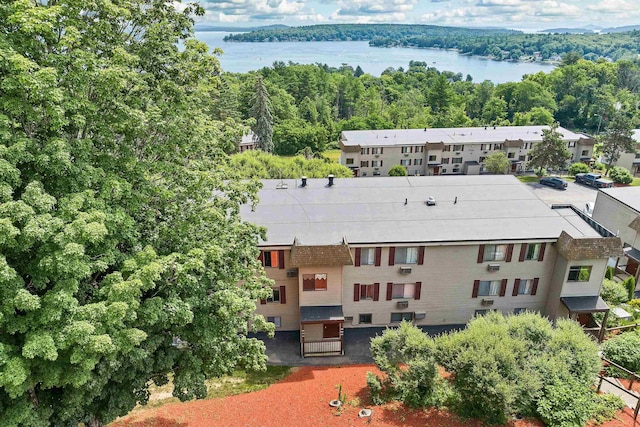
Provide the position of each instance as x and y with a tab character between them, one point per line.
355	253
448	151
618	209
631	161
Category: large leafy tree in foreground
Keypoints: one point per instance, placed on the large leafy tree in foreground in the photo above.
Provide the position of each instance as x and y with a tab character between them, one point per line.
121	246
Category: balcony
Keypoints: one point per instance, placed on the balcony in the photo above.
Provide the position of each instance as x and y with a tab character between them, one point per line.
327	347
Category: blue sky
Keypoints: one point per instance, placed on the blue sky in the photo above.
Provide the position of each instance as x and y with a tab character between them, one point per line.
518	14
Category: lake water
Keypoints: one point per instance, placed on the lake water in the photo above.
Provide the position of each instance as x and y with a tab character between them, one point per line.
244	57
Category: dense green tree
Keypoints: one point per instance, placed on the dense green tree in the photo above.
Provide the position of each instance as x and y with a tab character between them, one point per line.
617	139
397	170
551	153
263	120
497	163
440	95
118	266
257	164
291	136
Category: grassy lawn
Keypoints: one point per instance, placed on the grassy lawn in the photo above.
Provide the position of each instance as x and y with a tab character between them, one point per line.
333	155
528	178
238	383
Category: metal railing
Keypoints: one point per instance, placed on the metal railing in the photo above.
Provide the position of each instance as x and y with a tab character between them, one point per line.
634	377
328	346
603	231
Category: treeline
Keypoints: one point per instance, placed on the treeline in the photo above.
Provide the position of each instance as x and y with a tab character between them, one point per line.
351	32
312	104
514	46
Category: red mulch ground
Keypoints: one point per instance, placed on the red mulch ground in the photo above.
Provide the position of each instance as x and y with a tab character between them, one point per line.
625	384
302	399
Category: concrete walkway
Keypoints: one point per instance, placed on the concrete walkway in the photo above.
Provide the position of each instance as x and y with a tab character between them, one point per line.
629	400
284	348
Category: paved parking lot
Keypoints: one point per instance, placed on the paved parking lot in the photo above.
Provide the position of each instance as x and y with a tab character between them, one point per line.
575	194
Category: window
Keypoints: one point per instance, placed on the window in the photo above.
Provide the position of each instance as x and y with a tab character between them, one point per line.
571	144
276	295
485	147
497	146
276	320
376	150
417	162
495	252
376	173
458	148
367	256
418	149
432	158
405	150
314	282
511	155
579	273
455	170
525	287
585	153
405	162
399	317
489	288
349	161
445	160
456	160
366	292
479	313
519	310
364	164
364	151
447	148
365	318
481	159
444	171
270	259
406	255
403	290
376	163
533	251
521	158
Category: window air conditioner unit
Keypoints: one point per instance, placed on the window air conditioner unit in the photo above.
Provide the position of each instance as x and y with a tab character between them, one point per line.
484	152
487	302
403	304
406	154
377	155
405	270
457	152
348	318
419	315
292	273
493	267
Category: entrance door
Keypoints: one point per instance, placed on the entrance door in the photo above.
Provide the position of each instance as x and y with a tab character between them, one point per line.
513	167
632	267
436	170
331	330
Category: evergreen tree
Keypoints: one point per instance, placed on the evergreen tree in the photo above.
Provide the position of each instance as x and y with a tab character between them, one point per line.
261	113
617	139
551	152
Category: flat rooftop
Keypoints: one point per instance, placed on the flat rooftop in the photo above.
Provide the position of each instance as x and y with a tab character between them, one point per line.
475	135
373	211
629	196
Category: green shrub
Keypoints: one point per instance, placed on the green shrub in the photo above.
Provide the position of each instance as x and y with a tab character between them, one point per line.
609	273
577	168
623	349
614	293
566	403
630	284
376	389
397	170
620	175
635	303
605	407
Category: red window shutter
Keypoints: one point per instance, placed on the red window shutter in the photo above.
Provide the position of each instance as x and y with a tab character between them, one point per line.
481	254
421	255
263	301
503	289
378	256
389	291
516	287
417	289
541	254
534	288
356	291
261	258
476	288
281	259
283	294
523	252
357	260
509	252
392	255
376	291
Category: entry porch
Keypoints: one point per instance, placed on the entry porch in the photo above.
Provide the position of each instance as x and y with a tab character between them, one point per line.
321	331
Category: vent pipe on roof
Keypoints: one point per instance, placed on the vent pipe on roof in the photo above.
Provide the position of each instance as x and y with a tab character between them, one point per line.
494	127
330	180
304	181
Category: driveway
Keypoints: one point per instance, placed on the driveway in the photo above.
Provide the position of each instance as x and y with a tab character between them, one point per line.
575	194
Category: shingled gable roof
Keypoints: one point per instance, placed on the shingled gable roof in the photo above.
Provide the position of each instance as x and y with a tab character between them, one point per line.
320	255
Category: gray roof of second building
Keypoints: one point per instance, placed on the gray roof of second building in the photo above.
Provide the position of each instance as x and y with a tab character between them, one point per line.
372	210
629	196
477	135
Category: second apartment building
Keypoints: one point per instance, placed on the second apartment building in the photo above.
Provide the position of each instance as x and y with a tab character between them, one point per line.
449	151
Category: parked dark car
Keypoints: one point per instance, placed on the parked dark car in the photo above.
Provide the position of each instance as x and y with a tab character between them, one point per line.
553	181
